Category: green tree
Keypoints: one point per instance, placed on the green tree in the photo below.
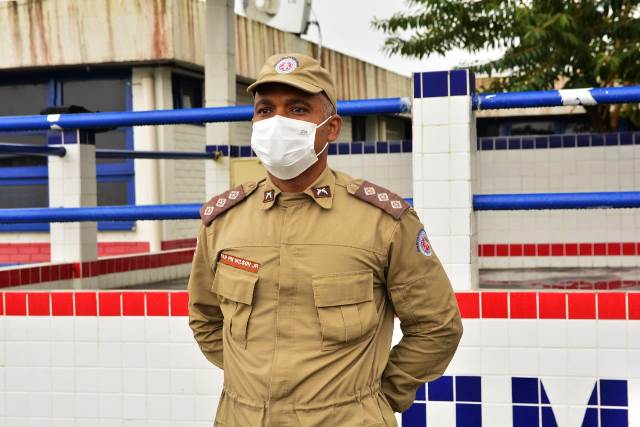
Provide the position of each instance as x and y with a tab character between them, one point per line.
577	43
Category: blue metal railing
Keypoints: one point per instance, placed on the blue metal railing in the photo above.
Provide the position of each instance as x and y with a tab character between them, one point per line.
100	213
39	150
32	150
126	154
191	211
610	95
497	202
192	115
556	98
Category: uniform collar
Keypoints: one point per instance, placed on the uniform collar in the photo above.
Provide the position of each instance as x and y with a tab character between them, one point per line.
321	190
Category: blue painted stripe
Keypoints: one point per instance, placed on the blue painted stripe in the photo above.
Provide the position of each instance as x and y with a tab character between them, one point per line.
338	148
558	141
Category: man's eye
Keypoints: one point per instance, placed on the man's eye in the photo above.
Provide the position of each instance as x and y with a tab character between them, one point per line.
298	110
263	110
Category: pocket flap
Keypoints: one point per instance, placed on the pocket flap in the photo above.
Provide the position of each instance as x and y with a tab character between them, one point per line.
342	288
234	284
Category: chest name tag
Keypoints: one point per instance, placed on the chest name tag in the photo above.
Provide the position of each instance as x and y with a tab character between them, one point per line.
241	263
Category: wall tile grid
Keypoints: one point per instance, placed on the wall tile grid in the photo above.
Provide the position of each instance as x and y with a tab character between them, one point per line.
579	238
386	163
539	359
526	359
443	170
184	180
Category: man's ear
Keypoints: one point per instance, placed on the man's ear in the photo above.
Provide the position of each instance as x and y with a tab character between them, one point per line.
334	124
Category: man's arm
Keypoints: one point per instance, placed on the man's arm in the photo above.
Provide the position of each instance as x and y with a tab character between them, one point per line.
426	306
205	317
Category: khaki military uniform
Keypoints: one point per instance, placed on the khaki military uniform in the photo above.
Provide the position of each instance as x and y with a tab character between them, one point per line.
294	294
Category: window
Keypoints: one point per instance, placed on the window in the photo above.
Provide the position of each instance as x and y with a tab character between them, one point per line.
187	91
358	128
23	180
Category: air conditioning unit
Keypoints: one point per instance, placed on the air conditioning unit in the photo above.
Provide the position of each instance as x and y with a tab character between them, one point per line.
291	16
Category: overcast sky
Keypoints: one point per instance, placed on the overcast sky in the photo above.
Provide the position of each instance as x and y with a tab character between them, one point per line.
346	27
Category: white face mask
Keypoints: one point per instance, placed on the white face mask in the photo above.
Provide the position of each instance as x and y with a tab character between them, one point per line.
286	147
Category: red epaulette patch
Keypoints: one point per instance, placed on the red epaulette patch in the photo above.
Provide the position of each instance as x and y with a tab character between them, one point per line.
221	203
382	198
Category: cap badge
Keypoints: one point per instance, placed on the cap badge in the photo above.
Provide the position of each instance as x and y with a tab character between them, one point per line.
286	65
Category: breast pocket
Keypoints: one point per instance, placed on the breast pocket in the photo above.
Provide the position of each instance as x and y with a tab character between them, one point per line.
235	289
346	307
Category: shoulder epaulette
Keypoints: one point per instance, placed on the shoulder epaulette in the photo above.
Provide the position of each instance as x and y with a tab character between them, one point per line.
379	197
225	201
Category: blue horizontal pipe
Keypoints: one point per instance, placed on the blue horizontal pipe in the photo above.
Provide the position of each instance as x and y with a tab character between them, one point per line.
554	98
32	150
126	154
481	202
501	202
100	213
191	115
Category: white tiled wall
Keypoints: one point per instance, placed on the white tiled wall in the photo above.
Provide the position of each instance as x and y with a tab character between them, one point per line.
148	371
389	170
583	169
104	371
183	180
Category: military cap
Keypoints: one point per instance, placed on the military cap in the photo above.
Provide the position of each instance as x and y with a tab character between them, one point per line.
297	70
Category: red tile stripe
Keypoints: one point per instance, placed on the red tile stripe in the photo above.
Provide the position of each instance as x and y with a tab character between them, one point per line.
473	305
166	245
52	273
559	249
19	253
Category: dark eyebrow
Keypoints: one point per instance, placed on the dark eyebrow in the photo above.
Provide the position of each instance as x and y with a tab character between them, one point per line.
298	101
266	102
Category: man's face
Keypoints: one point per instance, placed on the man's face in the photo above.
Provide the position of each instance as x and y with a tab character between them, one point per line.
273	99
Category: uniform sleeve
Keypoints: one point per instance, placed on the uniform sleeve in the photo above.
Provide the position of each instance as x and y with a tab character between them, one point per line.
205	316
429	317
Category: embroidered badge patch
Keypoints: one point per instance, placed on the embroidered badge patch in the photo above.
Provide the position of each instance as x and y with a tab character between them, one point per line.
321	192
268	196
286	65
240	263
422	243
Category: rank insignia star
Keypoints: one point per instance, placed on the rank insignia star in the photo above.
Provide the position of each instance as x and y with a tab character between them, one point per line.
395	204
221	202
369	191
383	197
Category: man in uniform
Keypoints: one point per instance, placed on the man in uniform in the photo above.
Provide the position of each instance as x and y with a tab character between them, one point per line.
296	278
